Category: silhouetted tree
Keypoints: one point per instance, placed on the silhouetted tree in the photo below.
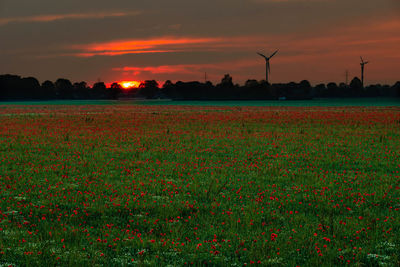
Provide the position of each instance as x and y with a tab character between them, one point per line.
223	90
333	89
30	88
382	90
396	87
167	84
226	81
99	90
320	90
9	86
15	87
356	87
80	90
48	90
304	90
148	89
64	89
372	90
254	89
305	84
115	90
290	90
251	83
388	91
169	89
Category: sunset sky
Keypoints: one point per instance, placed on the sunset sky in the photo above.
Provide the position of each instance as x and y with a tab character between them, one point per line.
105	40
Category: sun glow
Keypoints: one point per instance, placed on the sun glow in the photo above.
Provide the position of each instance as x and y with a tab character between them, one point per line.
129	84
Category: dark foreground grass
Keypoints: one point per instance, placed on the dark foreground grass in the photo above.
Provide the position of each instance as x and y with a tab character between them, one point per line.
226	186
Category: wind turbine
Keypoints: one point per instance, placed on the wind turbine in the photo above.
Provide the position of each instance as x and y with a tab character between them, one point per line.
267	67
362	70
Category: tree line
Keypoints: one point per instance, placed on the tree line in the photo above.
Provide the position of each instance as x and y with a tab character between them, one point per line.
14	87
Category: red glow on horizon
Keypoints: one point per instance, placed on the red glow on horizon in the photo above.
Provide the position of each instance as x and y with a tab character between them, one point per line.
129	84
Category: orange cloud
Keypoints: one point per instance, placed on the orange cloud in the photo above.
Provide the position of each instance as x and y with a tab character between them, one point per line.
55	17
135	46
165	45
118	53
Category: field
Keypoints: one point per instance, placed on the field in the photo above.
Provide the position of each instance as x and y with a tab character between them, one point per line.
338	102
121	185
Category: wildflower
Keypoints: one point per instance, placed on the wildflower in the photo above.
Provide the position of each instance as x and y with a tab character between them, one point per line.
273	236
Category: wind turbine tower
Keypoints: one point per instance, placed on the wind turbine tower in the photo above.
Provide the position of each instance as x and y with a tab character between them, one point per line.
267	66
362	70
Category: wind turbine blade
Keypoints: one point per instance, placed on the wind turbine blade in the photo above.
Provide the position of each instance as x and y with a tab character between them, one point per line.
366	62
262	55
362	61
273	54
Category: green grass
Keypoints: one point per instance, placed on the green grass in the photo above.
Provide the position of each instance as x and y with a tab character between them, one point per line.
335	102
59	102
152	185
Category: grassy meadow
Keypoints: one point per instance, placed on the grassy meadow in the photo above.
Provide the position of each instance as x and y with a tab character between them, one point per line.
148	185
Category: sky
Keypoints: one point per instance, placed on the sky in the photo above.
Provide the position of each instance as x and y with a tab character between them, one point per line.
103	40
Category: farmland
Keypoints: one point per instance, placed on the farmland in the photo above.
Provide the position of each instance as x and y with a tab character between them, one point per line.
157	185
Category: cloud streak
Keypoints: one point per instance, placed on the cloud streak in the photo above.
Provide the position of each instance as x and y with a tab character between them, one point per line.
166	45
56	17
135	46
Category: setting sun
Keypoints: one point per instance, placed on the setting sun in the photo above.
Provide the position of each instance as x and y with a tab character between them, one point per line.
129	84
